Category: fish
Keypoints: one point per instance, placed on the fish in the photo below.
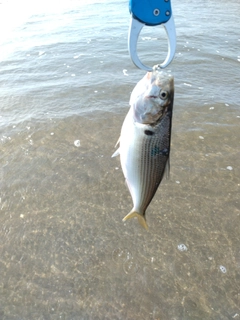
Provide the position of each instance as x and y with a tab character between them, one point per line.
144	143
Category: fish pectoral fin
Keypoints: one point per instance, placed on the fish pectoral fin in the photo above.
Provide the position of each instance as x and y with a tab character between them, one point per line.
116	153
141	218
117	142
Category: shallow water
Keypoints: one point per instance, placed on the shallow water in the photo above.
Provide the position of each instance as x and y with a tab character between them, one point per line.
66	79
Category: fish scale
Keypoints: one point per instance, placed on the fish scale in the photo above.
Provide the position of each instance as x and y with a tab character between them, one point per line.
153	165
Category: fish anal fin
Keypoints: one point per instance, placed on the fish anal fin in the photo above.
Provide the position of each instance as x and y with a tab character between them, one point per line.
141	218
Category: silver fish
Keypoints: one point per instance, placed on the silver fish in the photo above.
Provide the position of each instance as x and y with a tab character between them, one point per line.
145	139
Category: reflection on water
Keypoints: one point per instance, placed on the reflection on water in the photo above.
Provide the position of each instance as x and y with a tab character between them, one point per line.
65	252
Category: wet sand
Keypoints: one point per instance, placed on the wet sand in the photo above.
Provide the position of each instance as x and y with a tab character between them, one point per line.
65	252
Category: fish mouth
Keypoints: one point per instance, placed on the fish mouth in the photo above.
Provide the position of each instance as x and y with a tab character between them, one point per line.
151	97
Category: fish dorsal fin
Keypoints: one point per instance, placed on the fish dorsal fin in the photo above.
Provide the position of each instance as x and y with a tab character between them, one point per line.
166	172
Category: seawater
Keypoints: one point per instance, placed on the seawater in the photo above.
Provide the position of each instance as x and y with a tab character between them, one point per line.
65	82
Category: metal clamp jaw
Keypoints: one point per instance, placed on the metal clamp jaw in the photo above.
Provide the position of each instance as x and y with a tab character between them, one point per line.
150	13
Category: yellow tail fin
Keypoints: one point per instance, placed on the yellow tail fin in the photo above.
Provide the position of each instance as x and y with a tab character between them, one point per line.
141	218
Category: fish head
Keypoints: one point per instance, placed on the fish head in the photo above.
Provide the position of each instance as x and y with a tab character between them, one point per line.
152	96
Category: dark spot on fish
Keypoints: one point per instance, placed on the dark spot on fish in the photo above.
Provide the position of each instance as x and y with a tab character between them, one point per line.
156	151
164	152
149	132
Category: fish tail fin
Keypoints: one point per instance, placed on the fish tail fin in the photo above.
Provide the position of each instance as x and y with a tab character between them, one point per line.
141	218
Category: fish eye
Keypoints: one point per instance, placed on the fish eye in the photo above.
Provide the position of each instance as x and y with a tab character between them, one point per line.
163	95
